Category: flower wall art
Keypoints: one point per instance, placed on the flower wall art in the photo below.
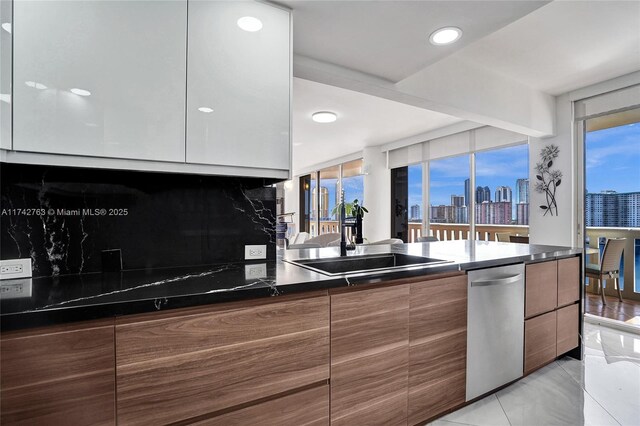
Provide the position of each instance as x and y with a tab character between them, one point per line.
548	180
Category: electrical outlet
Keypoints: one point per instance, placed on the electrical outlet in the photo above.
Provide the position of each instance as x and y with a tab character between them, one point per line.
15	289
255	252
15	268
255	271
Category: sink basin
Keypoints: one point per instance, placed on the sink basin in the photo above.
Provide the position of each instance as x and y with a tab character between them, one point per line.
352	265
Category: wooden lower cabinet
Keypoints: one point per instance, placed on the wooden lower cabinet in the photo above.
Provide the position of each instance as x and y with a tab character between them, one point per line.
58	375
568	281
567	329
184	364
539	341
541	288
305	408
370	356
437	347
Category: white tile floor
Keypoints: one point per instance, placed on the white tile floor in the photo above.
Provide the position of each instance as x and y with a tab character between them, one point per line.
602	389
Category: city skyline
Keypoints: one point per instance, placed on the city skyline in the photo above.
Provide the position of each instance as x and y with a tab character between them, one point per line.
505	167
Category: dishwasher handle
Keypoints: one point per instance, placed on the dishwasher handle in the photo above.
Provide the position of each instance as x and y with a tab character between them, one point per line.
496	281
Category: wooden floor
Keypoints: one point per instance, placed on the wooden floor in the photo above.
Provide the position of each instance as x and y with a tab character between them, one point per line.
625	311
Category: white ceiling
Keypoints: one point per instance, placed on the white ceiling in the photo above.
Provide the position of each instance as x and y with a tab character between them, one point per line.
363	120
557	47
564	45
390	39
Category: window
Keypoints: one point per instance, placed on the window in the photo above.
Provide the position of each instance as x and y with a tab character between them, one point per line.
613	176
502	186
449	197
612	186
353	182
329	196
320	194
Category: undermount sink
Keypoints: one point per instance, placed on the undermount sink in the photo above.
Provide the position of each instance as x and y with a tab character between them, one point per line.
352	265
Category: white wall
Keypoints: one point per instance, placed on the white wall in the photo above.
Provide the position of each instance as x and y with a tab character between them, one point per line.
564	229
292	201
377	195
561	229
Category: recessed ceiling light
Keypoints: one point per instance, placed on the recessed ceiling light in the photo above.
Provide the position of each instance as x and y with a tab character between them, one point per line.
249	23
324	117
7	27
205	109
35	85
445	35
80	92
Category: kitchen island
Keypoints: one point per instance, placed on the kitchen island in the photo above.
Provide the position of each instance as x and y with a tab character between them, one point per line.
271	342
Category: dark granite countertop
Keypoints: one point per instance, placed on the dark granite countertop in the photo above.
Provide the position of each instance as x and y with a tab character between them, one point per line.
54	300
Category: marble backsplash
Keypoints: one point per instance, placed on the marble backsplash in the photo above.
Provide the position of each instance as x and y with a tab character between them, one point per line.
65	218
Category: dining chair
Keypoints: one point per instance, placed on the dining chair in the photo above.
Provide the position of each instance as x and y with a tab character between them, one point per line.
609	267
503	237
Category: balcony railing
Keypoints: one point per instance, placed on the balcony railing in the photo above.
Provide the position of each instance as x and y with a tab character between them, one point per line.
631	259
460	231
327	227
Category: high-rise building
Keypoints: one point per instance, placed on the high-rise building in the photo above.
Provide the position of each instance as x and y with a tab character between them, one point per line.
457	200
438	214
503	193
522	213
414	214
460	214
483	194
522	191
467	193
610	208
494	213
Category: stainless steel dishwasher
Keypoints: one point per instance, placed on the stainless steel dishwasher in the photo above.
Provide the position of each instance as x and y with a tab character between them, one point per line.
495	328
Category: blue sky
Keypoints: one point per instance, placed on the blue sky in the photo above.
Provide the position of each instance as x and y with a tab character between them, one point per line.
613	159
353	188
500	167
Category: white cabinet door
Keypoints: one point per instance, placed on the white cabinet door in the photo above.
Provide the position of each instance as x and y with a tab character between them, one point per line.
238	85
5	74
100	78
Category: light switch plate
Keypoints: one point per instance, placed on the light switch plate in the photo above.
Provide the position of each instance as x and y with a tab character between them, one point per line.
252	252
255	271
15	268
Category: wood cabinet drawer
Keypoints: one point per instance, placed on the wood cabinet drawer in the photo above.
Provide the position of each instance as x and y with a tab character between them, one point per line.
305	408
62	375
369	354
539	341
437	347
541	288
568	319
568	281
183	366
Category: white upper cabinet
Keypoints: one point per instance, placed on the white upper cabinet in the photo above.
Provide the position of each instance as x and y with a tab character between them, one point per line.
238	84
100	78
5	74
